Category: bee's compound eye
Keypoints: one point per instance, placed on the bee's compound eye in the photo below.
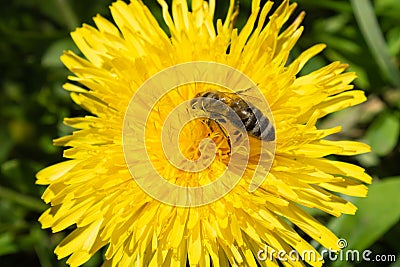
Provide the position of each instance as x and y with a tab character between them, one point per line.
193	104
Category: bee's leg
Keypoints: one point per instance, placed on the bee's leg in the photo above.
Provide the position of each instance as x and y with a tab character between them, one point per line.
209	125
224	133
208	122
217	122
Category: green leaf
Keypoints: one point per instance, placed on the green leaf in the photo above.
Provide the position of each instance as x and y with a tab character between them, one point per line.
387	8
397	262
52	56
368	159
5	144
7	245
376	214
383	134
371	31
394	41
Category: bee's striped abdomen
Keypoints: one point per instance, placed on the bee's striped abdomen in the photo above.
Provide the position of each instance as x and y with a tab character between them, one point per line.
255	122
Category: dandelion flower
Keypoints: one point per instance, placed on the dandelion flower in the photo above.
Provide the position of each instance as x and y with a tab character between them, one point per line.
94	191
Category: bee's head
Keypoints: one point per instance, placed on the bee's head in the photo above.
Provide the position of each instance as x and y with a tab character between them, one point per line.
199	94
194	103
205	100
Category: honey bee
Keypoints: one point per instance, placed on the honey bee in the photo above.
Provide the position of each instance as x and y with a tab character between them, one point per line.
254	121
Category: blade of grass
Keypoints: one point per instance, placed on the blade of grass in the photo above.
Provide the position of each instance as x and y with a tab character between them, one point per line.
41	247
71	19
333	5
26	201
372	33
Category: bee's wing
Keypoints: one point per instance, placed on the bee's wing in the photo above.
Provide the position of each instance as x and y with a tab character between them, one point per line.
251	95
255	98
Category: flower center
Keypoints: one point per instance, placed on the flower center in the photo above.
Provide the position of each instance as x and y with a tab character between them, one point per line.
188	144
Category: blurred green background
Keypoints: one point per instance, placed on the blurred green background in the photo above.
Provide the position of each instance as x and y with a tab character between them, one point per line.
33	34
